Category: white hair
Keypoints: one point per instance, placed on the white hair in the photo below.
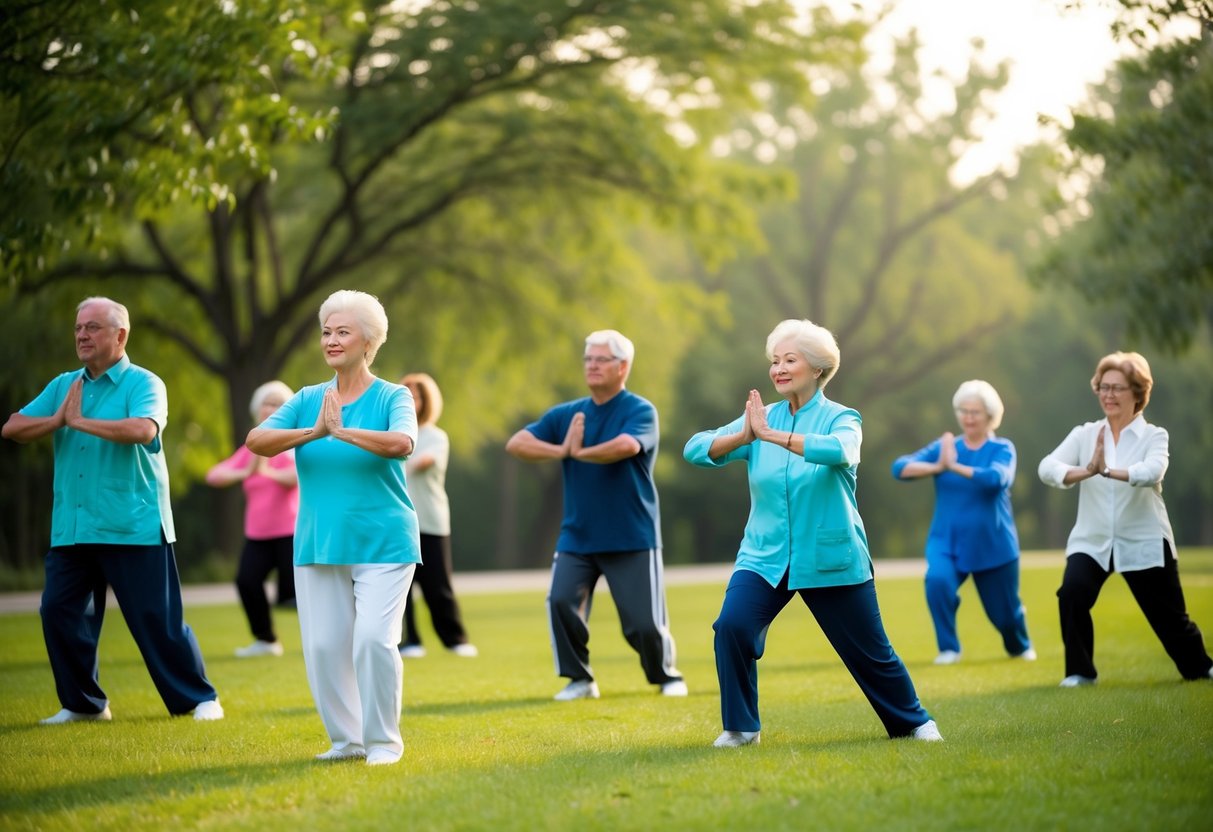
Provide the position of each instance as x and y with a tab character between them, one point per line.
281	388
366	309
618	343
815	343
983	392
118	314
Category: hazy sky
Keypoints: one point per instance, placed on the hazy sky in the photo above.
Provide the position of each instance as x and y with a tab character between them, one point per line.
1054	57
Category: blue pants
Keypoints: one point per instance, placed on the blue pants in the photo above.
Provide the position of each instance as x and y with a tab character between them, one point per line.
145	582
998	589
850	618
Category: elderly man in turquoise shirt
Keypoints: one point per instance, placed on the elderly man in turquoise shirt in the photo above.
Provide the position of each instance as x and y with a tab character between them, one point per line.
112	524
804	537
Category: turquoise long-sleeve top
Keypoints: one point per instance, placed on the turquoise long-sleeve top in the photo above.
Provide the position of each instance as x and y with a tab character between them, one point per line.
804	520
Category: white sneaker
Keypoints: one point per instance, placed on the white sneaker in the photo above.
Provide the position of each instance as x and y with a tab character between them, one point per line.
579	689
412	651
345	752
260	648
468	651
734	739
380	756
208	711
72	716
1076	681
1028	655
928	732
678	687
948	657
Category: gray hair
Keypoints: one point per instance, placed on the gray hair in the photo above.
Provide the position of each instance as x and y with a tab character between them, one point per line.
366	309
618	343
815	343
118	314
985	393
281	388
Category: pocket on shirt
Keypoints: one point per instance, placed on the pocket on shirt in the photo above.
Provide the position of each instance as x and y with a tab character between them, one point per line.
119	507
835	550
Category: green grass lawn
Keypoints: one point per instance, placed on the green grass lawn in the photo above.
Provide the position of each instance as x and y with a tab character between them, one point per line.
486	748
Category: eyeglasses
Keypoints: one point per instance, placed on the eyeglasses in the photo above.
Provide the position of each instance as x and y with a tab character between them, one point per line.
1115	389
92	327
970	413
599	360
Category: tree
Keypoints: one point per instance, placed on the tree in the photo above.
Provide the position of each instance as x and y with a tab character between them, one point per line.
1136	237
230	164
914	273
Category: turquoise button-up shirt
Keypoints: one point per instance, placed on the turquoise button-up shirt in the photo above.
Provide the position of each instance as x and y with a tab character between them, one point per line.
804	521
108	492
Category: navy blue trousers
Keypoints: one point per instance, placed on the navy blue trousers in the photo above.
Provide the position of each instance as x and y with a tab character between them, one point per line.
148	590
850	618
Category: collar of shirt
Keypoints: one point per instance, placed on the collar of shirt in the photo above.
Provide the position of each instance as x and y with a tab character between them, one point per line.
114	373
1134	429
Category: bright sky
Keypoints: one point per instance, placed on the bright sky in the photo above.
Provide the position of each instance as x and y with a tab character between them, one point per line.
1054	56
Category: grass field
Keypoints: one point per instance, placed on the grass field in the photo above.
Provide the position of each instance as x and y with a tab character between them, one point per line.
486	748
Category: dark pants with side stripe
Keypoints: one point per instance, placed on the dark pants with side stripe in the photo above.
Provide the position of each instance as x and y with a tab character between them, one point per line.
433	575
849	617
148	590
1160	597
637	584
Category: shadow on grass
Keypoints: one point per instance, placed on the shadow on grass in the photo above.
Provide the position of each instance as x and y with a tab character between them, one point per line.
100	791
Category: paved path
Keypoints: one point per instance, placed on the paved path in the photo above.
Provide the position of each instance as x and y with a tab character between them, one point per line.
526	580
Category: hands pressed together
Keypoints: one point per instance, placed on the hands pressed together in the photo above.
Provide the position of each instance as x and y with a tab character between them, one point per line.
574	438
1097	465
328	421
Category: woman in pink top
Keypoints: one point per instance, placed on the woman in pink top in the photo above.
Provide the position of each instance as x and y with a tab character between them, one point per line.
271	494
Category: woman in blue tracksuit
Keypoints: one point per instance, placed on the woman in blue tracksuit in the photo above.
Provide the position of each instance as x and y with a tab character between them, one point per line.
804	537
973	530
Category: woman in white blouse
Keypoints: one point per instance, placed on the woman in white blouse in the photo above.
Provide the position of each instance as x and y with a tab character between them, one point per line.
1122	522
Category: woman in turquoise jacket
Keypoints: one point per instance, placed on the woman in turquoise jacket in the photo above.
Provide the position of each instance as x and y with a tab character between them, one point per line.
804	536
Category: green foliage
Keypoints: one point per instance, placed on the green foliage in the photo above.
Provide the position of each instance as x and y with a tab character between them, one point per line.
102	104
915	274
222	167
1137	239
486	748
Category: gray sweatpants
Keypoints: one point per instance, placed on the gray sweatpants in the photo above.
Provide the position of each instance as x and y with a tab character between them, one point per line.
638	588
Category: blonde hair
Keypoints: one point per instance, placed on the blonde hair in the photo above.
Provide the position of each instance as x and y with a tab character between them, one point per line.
366	309
1137	373
429	404
815	343
985	393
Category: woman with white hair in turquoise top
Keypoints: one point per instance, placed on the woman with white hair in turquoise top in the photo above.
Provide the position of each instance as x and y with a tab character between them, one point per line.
356	541
804	537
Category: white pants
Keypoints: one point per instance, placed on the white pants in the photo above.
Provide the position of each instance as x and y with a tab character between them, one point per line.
350	621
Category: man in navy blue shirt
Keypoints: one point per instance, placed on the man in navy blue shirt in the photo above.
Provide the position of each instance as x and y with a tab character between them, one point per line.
606	444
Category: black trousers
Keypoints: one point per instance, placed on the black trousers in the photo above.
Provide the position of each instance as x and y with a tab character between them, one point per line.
433	575
1160	597
258	559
